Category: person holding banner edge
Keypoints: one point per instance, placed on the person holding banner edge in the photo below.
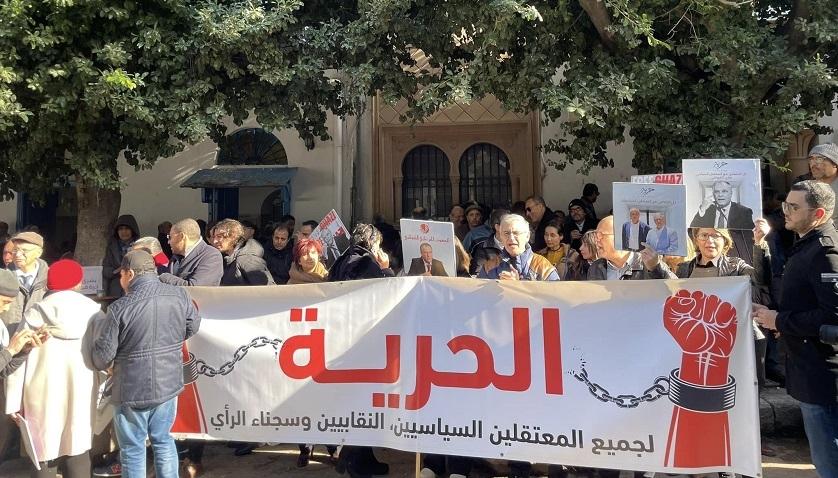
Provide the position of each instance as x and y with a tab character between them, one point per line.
808	303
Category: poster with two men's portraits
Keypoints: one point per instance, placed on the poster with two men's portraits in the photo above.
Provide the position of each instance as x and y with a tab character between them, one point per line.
659	209
650	214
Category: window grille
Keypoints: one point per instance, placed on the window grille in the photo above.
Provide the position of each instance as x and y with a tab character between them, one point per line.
251	146
484	176
426	182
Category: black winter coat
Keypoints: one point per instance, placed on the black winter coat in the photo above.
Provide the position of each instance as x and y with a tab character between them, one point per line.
809	299
245	266
357	263
279	261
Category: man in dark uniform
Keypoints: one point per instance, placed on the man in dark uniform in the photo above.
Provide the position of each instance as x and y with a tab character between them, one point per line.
809	300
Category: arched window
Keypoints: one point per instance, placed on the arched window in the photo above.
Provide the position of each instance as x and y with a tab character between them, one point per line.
484	175
426	181
251	146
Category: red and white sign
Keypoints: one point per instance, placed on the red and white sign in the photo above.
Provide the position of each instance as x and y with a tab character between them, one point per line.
636	375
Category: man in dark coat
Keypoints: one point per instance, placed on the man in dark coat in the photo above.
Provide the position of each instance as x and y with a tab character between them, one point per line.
634	232
194	262
279	252
721	212
579	223
539	215
808	302
426	264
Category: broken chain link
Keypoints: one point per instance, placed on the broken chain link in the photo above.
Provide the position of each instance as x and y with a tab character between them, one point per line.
656	391
203	369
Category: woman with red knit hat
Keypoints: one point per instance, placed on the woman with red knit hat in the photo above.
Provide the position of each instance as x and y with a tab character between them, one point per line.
55	389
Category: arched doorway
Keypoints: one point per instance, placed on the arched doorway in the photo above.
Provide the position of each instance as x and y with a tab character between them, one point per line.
251	180
484	175
426	181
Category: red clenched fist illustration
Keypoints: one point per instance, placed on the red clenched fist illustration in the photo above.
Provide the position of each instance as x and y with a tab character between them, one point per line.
700	324
704	326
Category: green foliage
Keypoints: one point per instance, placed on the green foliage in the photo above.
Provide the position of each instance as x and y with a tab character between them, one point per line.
86	84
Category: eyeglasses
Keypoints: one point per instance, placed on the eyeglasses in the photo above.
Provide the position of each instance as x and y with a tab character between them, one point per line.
576	209
22	251
817	159
703	236
789	207
508	234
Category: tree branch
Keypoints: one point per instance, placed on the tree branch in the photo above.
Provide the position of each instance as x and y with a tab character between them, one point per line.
601	19
799	9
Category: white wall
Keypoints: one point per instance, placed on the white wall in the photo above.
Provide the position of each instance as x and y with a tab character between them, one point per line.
8	213
155	195
560	187
832	122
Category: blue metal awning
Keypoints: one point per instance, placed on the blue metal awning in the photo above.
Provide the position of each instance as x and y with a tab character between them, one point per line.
240	177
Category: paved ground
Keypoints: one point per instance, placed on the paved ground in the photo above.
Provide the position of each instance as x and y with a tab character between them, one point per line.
779	417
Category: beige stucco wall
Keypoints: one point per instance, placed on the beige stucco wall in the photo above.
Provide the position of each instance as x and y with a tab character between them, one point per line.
560	187
155	195
832	122
8	213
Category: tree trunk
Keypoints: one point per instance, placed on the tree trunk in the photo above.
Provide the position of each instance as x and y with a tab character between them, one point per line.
98	210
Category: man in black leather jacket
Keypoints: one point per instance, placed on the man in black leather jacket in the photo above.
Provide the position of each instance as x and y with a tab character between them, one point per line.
809	300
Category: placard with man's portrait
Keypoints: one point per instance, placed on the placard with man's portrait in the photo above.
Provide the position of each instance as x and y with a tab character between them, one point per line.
723	193
650	215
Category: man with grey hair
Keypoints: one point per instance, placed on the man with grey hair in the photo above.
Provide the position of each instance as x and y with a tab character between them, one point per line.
808	302
518	262
153	247
634	231
194	262
662	238
720	211
143	337
823	163
615	264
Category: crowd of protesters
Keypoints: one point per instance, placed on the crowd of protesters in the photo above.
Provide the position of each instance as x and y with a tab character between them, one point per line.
132	352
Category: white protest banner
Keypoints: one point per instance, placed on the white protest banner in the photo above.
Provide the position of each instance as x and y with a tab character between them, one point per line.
333	235
650	213
575	373
723	193
428	248
662	178
92	283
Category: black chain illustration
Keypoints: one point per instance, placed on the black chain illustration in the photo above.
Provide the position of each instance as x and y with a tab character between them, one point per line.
659	389
199	367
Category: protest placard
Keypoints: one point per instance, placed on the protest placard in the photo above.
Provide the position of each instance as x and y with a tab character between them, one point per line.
428	248
333	235
651	214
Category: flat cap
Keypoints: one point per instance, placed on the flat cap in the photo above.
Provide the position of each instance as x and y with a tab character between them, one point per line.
139	261
30	237
828	151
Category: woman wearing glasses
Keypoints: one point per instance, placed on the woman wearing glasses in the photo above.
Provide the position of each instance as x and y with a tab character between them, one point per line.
711	259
